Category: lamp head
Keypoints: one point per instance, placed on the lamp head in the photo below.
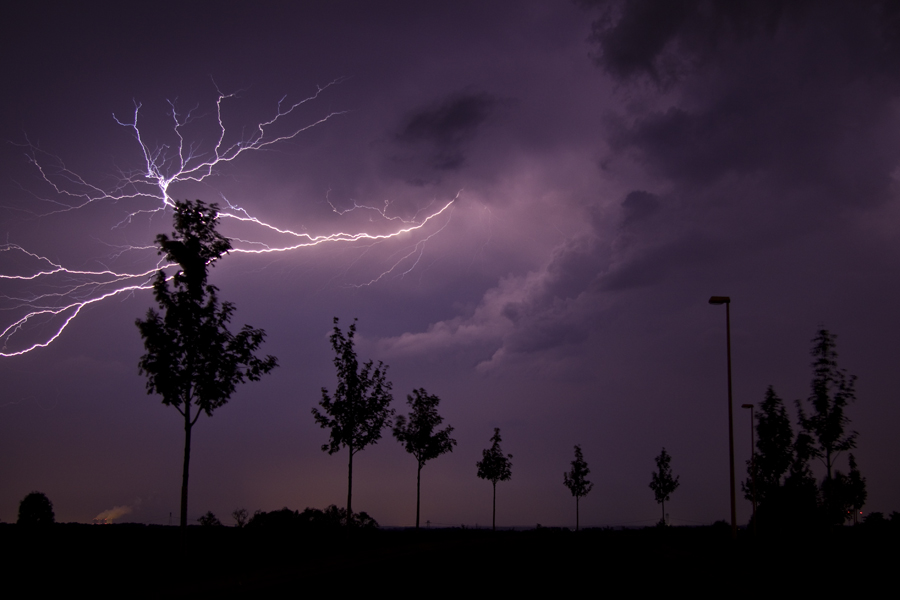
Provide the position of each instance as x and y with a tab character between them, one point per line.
720	300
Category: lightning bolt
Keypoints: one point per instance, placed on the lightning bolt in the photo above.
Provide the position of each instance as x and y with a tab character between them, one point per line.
53	295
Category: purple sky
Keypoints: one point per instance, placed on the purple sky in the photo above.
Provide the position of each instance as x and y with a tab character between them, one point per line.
612	174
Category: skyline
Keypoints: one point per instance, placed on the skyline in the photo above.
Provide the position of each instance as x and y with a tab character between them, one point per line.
601	182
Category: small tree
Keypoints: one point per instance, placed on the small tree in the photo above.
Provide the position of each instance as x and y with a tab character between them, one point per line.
36	509
209	520
240	517
193	361
495	466
359	409
418	435
662	482
576	480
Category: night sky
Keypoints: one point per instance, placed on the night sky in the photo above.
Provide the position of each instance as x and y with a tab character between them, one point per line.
614	165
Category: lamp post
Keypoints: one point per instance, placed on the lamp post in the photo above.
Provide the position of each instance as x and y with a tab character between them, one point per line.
727	302
752	465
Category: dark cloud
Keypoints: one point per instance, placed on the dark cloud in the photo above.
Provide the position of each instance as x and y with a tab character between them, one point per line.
434	138
662	39
791	110
638	206
451	122
653	265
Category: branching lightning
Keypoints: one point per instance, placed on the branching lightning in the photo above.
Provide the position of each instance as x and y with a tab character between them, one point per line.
46	296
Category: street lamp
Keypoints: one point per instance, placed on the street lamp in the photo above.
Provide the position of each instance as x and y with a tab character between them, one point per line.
727	302
752	465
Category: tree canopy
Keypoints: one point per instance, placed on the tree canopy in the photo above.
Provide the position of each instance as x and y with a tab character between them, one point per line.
36	509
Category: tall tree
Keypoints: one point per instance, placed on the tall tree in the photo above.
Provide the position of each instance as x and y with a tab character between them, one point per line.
495	466
193	361
418	434
576	480
774	449
662	482
359	409
832	390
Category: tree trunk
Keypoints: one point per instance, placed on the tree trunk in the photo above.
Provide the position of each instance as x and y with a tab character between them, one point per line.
350	488
494	516
576	512
663	520
187	462
418	494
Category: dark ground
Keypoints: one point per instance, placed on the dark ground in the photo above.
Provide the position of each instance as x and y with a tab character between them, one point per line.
155	561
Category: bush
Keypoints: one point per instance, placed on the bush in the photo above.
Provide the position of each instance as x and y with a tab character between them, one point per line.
36	509
209	520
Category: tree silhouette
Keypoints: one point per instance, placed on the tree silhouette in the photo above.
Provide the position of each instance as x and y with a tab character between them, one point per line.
832	390
576	480
774	449
240	517
209	520
662	483
856	488
418	434
848	493
495	466
193	361
36	509
359	409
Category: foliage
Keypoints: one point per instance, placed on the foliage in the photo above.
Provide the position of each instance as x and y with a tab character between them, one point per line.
856	488
36	509
662	483
576	478
358	411
240	517
495	466
832	390
847	493
192	358
311	519
418	434
209	520
576	481
789	495
774	449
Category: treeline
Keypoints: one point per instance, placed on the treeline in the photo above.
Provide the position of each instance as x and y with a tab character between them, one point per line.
780	483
